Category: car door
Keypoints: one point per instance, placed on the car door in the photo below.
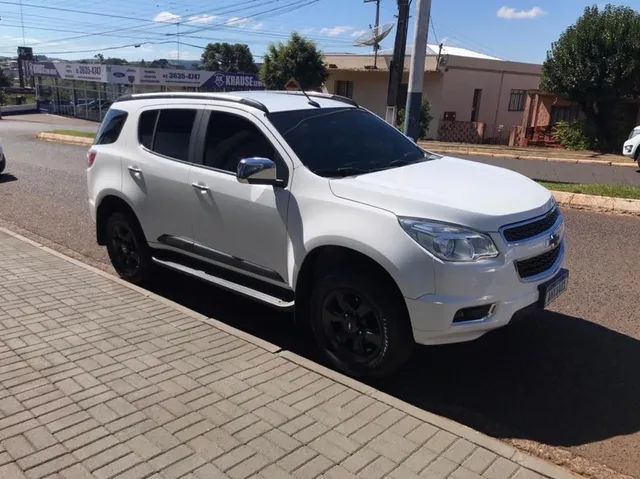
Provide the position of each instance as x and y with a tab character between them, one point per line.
156	177
239	225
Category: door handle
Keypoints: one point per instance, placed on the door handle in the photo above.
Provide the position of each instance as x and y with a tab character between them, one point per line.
202	188
135	170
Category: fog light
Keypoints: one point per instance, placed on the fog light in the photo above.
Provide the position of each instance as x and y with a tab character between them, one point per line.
474	313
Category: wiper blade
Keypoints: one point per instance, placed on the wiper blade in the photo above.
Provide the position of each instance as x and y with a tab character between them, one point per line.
343	171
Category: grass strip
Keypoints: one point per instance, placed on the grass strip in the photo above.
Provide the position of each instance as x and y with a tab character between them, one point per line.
614	191
83	134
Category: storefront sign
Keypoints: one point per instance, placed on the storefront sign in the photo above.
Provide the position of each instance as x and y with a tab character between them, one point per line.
131	75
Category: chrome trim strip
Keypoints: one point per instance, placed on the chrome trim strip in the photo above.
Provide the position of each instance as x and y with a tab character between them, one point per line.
228	285
222	259
553	227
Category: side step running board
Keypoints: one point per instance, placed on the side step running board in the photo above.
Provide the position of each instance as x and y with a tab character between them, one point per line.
228	285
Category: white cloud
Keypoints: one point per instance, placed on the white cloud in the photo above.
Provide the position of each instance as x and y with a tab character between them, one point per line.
202	19
335	31
258	26
357	33
510	13
238	21
167	17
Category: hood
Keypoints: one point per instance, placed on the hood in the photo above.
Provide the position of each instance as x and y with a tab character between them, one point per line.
451	190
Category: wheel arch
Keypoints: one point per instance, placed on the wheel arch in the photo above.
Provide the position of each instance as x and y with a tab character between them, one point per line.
109	204
324	258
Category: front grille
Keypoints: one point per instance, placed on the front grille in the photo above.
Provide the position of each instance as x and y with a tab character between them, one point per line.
529	230
538	264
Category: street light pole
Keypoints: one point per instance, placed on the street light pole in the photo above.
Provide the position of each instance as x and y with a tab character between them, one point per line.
416	73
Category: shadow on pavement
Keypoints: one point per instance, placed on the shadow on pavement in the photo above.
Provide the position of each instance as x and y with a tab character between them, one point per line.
551	378
7	178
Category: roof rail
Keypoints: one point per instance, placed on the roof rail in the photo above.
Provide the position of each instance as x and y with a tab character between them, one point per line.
328	96
164	96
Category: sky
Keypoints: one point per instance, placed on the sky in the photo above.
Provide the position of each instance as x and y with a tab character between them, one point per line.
518	30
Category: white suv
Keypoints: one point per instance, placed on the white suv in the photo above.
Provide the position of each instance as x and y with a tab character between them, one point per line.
318	203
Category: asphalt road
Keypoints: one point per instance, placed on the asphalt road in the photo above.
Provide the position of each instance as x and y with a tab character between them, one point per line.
566	172
567	378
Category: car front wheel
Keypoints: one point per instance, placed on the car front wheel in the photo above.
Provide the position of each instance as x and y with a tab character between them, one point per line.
360	324
128	248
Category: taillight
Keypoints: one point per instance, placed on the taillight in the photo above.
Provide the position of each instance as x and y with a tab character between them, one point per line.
91	158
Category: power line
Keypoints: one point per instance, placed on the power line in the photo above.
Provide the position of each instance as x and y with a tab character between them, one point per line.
433	28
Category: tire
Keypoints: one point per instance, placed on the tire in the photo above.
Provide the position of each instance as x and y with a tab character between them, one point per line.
636	156
127	247
360	324
3	163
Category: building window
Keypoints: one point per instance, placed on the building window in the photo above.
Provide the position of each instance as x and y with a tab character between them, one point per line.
475	105
517	100
344	88
564	113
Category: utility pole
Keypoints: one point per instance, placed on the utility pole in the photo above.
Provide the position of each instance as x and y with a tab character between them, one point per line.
376	46
396	68
416	73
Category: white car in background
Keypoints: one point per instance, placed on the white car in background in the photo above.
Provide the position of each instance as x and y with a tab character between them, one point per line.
630	147
3	160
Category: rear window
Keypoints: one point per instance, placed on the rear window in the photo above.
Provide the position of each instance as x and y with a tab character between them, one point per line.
111	127
167	132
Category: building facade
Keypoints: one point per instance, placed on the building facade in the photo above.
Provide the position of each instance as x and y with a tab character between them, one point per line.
473	97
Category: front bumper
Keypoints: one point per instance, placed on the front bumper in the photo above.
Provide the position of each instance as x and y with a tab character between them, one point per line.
495	283
629	149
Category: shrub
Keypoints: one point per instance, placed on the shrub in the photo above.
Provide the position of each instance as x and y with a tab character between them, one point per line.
425	119
572	136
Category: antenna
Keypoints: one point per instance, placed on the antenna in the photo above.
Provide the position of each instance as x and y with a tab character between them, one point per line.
373	38
294	85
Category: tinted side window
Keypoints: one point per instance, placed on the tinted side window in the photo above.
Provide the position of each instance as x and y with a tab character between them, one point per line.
173	132
231	138
111	127
146	125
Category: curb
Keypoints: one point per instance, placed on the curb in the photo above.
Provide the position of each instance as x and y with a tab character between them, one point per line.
602	204
69	139
495	445
586	161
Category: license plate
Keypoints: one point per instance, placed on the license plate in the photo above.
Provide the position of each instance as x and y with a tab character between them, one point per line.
551	290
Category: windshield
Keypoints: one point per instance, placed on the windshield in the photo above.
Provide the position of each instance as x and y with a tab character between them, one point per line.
334	142
634	132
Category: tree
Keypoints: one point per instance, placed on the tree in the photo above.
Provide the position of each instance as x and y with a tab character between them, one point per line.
299	58
228	58
596	63
5	81
115	61
161	63
425	119
99	57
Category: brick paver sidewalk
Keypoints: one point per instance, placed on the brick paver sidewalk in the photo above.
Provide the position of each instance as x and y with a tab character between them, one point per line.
102	379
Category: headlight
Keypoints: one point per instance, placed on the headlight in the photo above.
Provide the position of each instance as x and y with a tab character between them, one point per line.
449	242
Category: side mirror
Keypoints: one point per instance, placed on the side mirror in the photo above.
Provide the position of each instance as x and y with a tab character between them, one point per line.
257	171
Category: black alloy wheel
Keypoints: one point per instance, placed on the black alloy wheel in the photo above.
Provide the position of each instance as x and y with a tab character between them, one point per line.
127	248
353	327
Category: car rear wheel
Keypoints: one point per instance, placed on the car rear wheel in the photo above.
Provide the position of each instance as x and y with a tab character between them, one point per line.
3	163
128	248
361	327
